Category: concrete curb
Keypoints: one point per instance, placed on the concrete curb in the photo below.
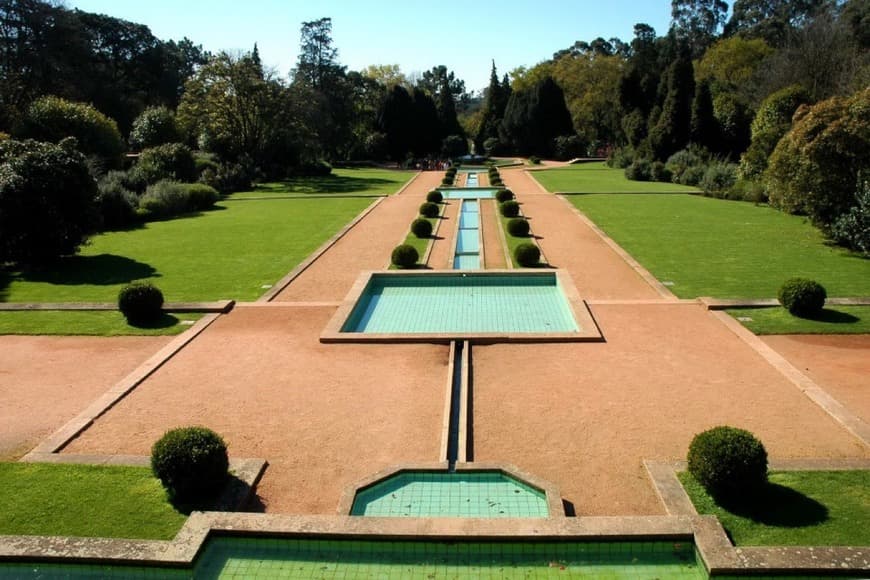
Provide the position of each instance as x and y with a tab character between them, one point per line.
222	306
724	304
849	420
295	272
663	290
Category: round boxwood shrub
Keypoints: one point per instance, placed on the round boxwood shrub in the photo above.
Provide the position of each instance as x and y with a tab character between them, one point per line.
802	297
496	181
434	196
429	209
422	228
404	256
509	209
503	195
527	255
190	461
140	302
728	461
518	227
447	181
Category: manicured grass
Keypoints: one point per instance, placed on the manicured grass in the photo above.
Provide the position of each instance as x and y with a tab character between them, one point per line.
228	253
798	508
724	249
598	178
833	320
85	500
421	244
363	181
513	242
89	323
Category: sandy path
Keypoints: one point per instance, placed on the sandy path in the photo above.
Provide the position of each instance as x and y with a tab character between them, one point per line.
493	249
47	380
570	244
840	364
439	259
367	246
324	416
585	415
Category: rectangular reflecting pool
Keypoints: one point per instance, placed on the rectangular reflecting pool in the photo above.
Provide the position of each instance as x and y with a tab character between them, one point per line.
497	305
468	193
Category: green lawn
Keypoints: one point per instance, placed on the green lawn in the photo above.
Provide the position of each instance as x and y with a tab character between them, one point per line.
231	252
421	244
724	249
833	320
363	181
89	323
598	178
798	508
85	500
513	242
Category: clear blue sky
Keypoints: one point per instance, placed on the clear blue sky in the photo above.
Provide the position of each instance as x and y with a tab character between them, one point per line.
414	34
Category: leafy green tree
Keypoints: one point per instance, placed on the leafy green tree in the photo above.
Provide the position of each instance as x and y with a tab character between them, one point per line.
815	166
734	119
154	126
318	58
47	201
770	20
697	22
426	128
229	109
53	119
772	121
448	123
386	75
731	64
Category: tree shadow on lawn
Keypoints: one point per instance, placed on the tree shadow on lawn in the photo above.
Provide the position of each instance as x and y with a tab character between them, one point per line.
166	320
778	506
99	270
834	317
324	184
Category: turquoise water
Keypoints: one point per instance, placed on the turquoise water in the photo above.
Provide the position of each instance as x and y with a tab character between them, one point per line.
483	494
467	255
468	193
471	180
462	303
288	558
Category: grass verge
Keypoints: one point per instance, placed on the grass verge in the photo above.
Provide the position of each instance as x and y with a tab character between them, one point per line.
89	323
362	181
599	178
724	249
798	508
833	320
236	252
421	244
85	500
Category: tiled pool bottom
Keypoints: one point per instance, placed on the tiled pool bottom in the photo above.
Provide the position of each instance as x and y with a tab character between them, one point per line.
287	558
459	494
461	303
468	193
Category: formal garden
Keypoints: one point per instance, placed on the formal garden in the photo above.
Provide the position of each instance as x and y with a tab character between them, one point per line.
179	264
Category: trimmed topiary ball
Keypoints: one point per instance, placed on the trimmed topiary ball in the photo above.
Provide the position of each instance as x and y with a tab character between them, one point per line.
518	227
447	181
503	195
496	182
404	256
802	297
140	302
190	462
429	209
728	461
421	227
509	209
434	196
527	255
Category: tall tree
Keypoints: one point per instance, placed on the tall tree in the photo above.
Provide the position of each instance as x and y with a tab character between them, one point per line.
395	120
318	58
771	20
494	105
697	22
534	118
704	130
673	126
444	103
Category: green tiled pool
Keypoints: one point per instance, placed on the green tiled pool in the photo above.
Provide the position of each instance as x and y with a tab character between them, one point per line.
290	558
468	193
461	303
474	494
